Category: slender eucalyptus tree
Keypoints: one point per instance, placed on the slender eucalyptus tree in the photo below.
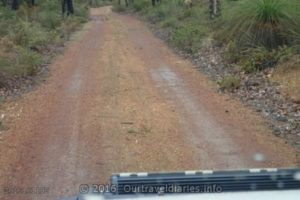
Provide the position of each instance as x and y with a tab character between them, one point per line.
67	7
15	4
154	2
214	8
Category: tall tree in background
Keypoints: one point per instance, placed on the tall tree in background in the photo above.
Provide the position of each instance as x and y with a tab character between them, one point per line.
15	4
127	2
154	2
67	6
32	2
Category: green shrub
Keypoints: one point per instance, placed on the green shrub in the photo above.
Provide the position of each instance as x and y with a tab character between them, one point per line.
229	83
232	53
49	5
99	3
186	13
29	35
5	69
21	62
159	14
162	12
7	14
81	13
170	22
260	58
49	20
188	37
140	5
68	26
7	18
294	35
28	62
119	8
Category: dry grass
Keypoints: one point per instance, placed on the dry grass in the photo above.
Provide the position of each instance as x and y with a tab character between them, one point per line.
287	74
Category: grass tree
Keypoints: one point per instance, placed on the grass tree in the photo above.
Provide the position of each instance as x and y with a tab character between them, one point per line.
262	22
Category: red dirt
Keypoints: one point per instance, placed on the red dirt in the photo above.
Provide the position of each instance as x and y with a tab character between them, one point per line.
119	100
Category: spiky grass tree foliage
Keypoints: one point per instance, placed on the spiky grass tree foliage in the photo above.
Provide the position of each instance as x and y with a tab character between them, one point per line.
262	22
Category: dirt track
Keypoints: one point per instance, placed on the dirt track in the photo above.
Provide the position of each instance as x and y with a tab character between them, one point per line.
119	100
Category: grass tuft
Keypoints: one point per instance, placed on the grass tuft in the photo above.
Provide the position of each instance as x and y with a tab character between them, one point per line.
229	83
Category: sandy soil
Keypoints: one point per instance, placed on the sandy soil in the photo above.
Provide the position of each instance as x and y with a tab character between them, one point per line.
118	100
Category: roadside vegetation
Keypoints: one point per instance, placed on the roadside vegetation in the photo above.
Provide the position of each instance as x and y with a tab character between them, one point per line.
256	34
98	3
30	32
251	48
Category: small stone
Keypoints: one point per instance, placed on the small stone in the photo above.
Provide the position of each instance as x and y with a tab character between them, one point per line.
281	118
277	131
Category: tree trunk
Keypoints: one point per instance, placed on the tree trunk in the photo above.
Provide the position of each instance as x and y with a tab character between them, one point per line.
67	6
153	2
15	4
31	2
215	8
